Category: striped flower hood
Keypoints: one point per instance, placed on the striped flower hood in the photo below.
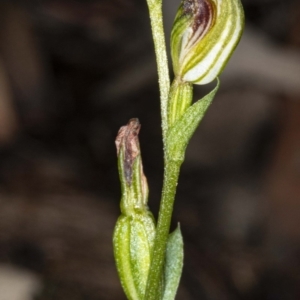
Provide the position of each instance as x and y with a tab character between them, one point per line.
204	36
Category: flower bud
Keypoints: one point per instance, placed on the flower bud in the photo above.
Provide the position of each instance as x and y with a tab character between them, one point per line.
135	229
204	36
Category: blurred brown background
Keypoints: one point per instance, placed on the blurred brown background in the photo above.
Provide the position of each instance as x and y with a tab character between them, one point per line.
71	73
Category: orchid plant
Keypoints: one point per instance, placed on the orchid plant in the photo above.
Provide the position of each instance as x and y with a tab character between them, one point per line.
205	33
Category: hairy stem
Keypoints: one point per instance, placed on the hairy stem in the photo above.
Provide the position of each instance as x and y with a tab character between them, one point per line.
171	175
156	18
171	167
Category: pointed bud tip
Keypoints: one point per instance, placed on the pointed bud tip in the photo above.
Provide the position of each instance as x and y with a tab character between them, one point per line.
127	139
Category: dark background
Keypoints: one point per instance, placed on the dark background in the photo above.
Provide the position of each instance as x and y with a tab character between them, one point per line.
71	73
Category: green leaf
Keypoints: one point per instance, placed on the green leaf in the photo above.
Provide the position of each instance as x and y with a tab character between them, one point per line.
133	241
121	242
181	132
174	264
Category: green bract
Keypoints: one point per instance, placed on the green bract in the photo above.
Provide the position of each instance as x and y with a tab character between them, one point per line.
204	35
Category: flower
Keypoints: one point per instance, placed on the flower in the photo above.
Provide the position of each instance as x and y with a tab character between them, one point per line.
135	229
204	36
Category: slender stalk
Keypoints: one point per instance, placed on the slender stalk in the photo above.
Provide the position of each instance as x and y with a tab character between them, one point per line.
172	167
171	175
156	18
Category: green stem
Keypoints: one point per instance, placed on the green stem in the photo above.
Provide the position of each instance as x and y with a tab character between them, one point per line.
180	99
172	167
156	18
162	230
